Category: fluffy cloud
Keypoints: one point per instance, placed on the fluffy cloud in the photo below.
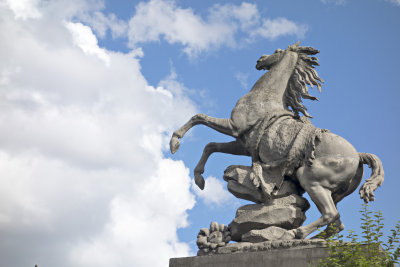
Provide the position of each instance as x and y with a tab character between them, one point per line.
142	223
343	2
272	29
395	2
336	2
87	41
101	23
158	19
83	178
243	79
24	9
214	192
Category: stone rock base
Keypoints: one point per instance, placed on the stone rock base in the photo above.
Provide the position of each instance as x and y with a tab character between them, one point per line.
299	256
240	247
267	234
286	212
283	209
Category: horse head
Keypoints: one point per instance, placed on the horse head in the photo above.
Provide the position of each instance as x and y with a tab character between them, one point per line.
265	62
303	74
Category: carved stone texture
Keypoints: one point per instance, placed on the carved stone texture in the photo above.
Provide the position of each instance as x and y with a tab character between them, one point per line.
286	212
268	234
240	247
208	240
241	185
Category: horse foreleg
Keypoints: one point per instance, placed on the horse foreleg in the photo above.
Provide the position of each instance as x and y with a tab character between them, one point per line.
234	148
224	126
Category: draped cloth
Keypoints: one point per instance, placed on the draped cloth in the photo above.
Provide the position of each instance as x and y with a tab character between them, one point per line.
279	144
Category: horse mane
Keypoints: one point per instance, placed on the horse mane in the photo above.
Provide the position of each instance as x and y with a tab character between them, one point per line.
303	75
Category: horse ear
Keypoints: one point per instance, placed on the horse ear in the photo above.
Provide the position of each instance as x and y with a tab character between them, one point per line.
294	47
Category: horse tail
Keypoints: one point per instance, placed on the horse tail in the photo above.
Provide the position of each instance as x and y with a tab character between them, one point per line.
376	179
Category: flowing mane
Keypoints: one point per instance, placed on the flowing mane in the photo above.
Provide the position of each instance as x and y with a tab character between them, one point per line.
303	75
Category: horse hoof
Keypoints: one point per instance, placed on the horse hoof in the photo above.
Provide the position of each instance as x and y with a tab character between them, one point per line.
174	144
289	235
299	233
199	180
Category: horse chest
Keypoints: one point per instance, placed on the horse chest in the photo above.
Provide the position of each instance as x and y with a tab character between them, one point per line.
250	108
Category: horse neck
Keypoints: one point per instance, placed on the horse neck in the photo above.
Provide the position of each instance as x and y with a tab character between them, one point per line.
272	85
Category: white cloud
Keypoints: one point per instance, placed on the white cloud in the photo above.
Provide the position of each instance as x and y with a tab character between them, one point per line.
271	29
336	2
395	2
158	19
244	16
243	79
87	41
142	223
101	23
214	192
24	9
83	179
161	18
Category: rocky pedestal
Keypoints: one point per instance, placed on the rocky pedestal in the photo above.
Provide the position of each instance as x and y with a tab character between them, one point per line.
264	254
272	217
267	234
284	213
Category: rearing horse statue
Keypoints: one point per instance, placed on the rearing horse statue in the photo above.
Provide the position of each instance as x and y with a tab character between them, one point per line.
268	127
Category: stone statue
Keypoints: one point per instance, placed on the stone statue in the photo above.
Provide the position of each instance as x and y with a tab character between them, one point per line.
289	155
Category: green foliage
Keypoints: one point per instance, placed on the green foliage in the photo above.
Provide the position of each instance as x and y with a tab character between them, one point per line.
367	250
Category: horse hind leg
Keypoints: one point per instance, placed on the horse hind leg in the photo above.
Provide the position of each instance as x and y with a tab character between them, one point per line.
332	229
322	198
327	181
224	126
338	226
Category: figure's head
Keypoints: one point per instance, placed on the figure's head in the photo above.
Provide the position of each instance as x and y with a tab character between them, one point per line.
265	62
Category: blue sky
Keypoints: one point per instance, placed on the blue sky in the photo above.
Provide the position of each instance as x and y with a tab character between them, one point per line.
90	92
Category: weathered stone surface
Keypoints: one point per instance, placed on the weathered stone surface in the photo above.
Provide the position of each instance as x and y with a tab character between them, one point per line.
288	188
208	240
241	185
239	247
286	212
267	234
299	253
292	200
